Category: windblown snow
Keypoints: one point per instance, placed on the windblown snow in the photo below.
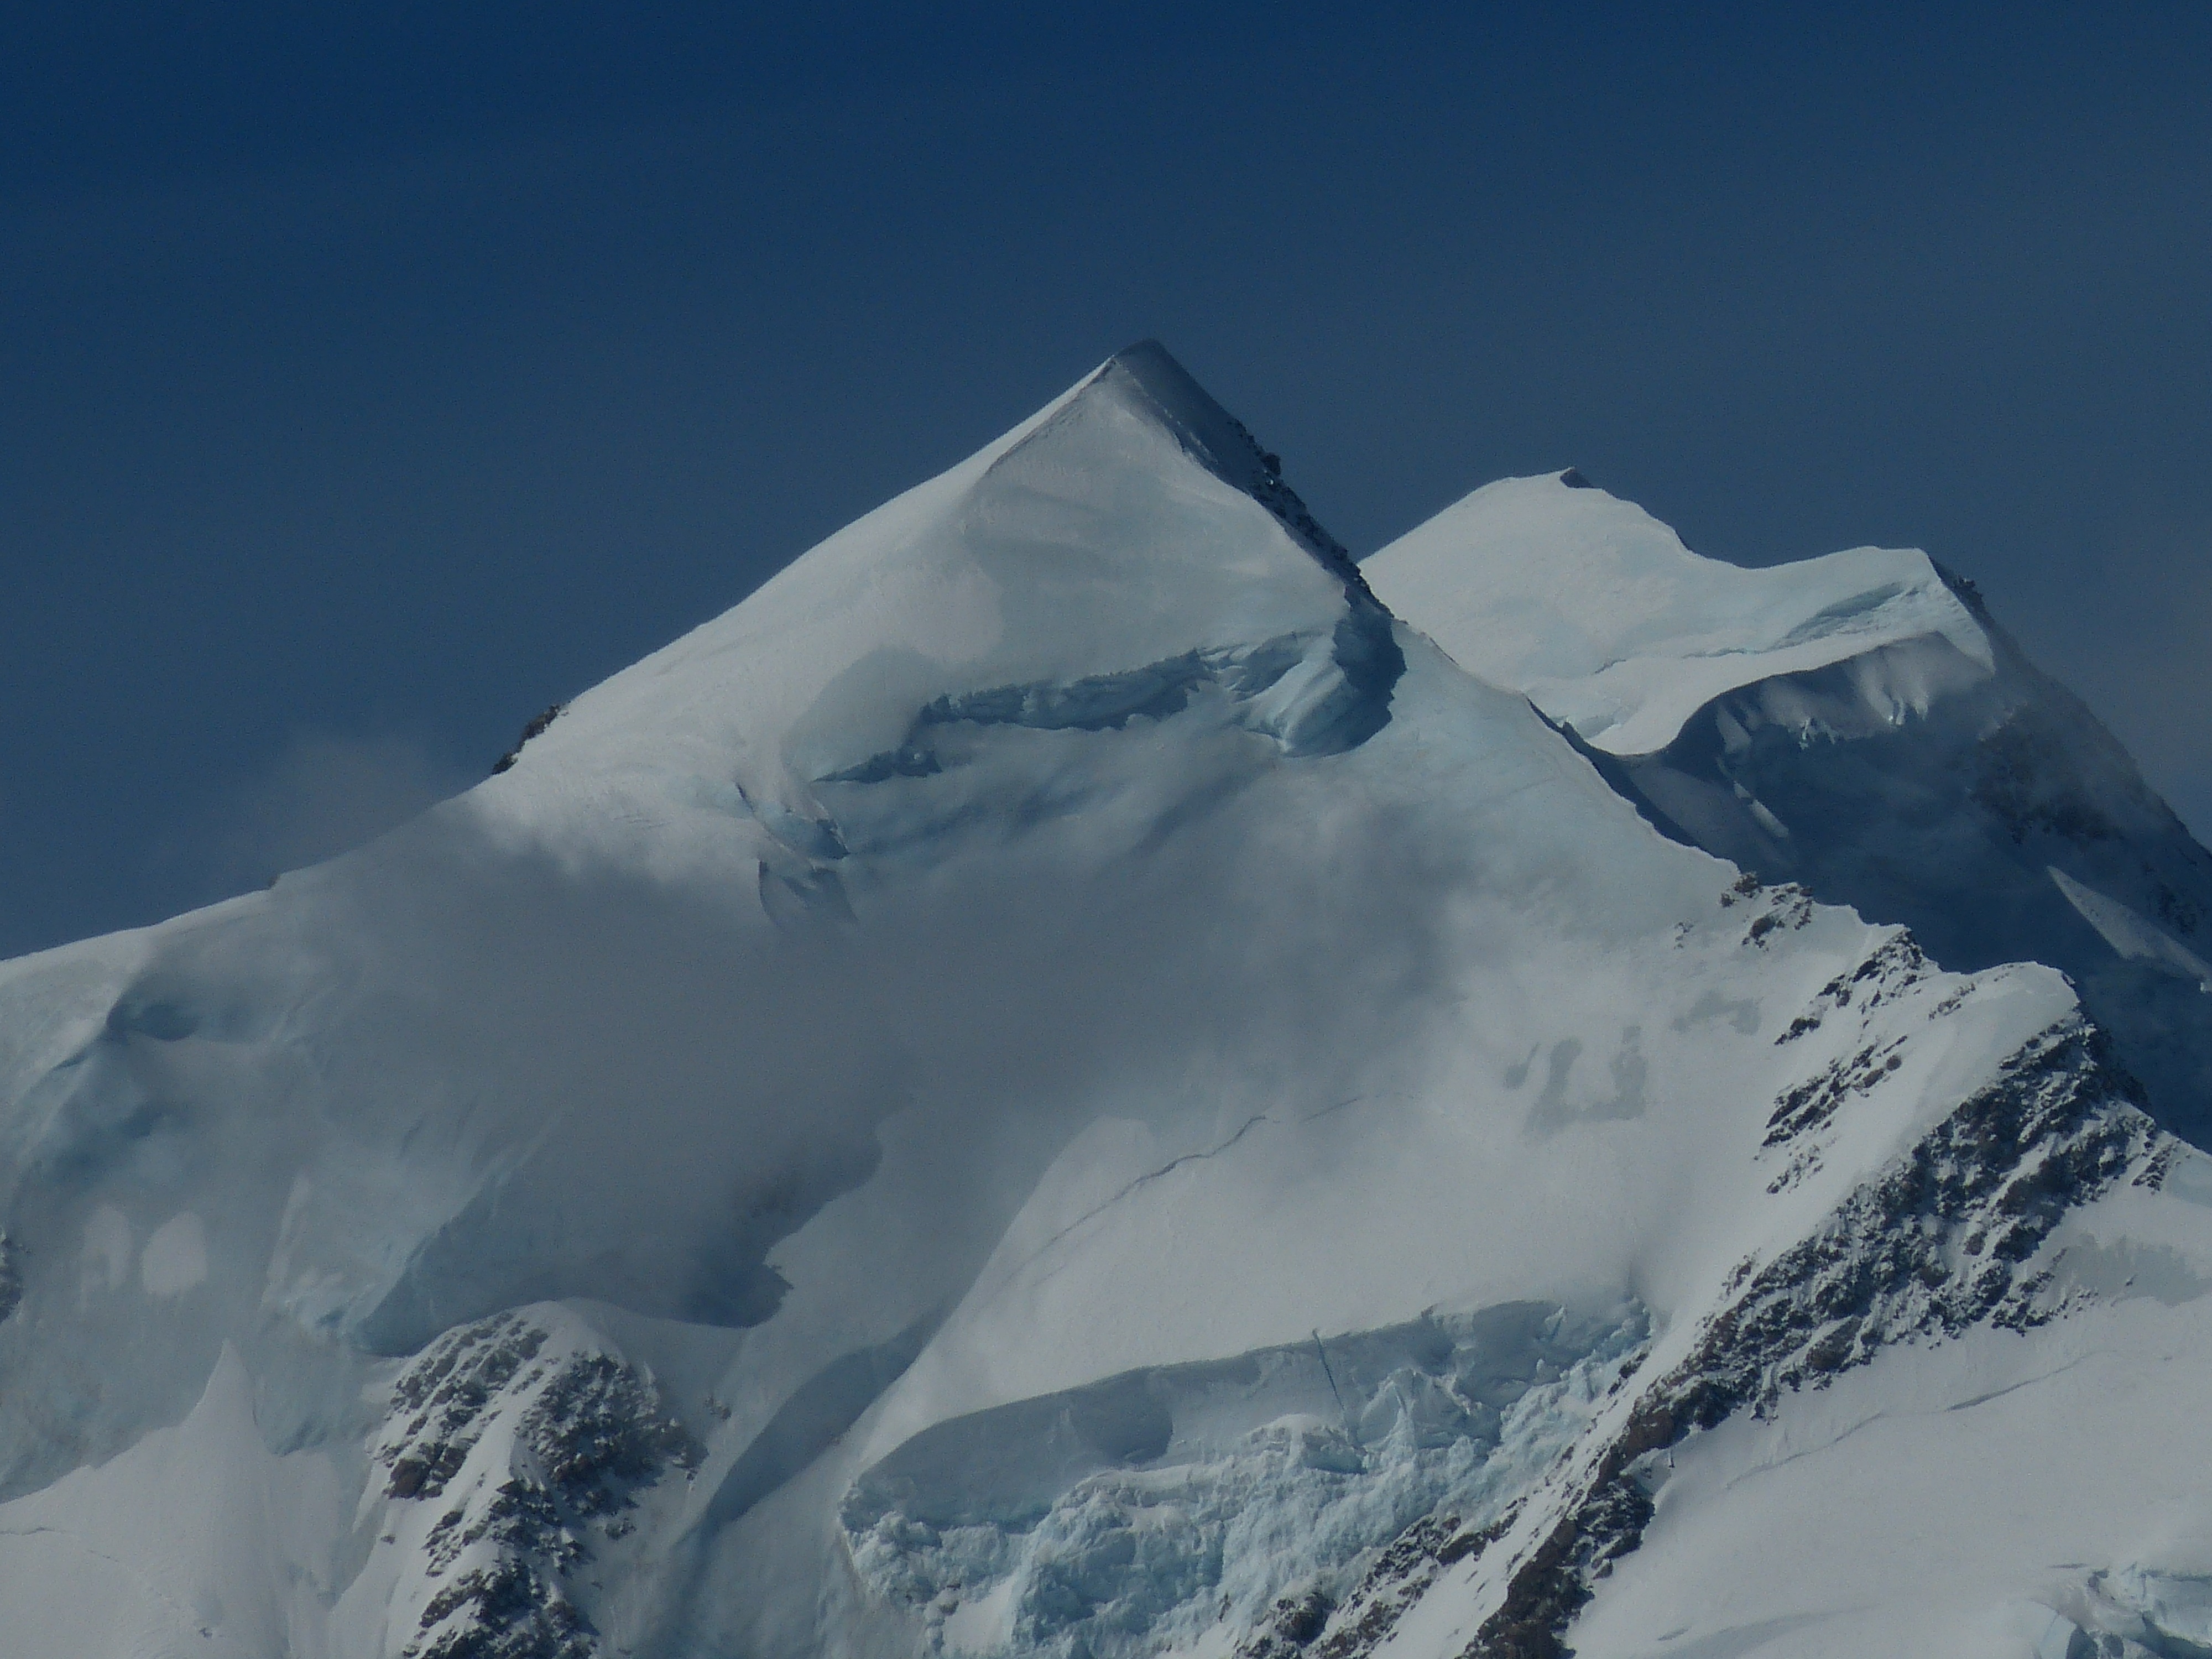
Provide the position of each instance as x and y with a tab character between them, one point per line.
1072	1079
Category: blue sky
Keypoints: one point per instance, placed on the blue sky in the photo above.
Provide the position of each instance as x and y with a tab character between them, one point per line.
374	376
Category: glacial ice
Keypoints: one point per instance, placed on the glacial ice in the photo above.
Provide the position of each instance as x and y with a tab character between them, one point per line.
1147	1509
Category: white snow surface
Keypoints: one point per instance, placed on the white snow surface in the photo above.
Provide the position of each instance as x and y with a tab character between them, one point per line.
1050	1081
1991	1497
1858	724
1596	610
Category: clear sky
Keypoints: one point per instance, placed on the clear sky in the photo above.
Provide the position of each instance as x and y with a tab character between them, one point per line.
372	376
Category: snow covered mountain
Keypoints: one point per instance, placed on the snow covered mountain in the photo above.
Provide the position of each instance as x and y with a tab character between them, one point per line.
1857	723
1060	1082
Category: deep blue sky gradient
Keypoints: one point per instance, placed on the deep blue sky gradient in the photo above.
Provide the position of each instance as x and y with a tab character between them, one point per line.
371	377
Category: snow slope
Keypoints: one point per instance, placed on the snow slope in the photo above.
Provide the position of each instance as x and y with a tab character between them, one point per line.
1856	723
1058	1082
1611	626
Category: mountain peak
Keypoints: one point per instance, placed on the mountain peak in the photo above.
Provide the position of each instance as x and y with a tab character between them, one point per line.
1057	1022
1147	378
1556	587
1131	522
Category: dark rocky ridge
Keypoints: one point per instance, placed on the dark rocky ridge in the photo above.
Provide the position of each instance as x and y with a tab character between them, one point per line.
589	1432
1940	1241
1937	1243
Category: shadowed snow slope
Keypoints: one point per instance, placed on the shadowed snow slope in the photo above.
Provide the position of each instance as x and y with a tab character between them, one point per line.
1058	1083
1856	723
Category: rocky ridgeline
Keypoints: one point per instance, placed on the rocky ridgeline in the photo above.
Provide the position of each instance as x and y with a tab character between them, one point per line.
11	1276
1940	1241
1805	1111
540	1441
1943	1239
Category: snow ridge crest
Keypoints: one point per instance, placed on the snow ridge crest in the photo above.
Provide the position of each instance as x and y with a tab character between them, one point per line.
1145	376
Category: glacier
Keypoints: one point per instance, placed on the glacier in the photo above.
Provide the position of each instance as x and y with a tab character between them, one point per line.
1083	1074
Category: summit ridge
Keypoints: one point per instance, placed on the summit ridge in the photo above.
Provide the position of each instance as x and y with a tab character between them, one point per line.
1226	444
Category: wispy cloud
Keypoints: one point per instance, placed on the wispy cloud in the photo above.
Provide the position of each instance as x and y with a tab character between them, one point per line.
324	795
